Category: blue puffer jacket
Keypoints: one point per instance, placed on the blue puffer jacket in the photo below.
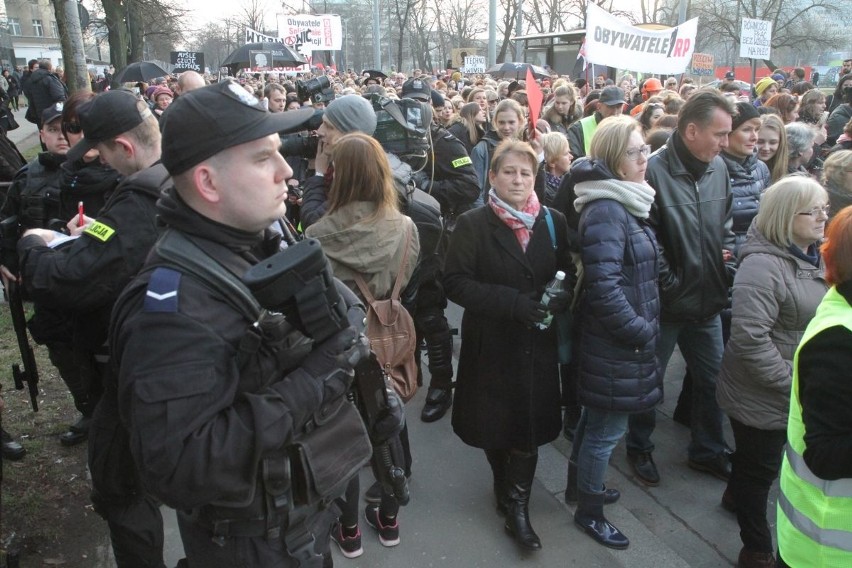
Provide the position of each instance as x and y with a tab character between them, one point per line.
749	178
619	310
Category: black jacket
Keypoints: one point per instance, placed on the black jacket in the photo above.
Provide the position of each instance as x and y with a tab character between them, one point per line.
693	222
749	178
200	422
86	276
448	175
619	310
44	88
507	390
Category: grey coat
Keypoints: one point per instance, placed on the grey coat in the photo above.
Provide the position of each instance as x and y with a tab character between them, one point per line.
775	296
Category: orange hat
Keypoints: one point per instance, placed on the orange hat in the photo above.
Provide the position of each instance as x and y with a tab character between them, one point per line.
652	85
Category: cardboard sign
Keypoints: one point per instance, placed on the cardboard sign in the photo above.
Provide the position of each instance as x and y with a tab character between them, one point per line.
188	61
702	64
755	38
474	64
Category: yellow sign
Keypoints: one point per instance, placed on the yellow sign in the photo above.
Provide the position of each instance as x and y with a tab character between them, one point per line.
100	231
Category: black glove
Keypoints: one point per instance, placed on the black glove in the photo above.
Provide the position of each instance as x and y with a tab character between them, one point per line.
392	419
529	310
559	301
333	361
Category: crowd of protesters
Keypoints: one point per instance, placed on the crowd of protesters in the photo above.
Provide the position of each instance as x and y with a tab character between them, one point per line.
680	215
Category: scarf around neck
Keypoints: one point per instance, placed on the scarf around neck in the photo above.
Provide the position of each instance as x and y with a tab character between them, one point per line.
521	222
635	197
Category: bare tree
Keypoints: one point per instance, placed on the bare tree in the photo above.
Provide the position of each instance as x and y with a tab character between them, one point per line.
799	24
73	52
506	26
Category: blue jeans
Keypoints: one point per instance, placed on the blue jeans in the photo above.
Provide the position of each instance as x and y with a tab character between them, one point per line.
597	434
701	346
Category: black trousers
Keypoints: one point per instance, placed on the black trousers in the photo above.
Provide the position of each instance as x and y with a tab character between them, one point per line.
754	467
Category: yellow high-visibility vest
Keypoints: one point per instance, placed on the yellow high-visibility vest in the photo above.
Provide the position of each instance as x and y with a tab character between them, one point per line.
814	515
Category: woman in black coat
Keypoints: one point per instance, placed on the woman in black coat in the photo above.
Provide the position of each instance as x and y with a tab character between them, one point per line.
619	313
500	259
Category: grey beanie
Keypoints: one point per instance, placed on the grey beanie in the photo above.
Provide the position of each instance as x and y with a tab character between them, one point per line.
352	113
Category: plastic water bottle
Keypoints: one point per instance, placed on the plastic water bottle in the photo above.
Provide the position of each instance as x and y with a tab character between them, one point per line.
555	285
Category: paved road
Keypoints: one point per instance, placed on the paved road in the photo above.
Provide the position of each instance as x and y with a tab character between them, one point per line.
26	136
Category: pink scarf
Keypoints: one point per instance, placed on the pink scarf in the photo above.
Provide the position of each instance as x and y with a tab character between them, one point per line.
521	222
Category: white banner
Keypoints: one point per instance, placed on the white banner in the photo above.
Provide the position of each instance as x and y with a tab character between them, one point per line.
609	41
254	36
755	38
307	33
474	64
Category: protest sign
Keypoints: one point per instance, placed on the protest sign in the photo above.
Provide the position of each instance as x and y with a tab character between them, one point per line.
609	41
474	64
755	38
702	64
188	61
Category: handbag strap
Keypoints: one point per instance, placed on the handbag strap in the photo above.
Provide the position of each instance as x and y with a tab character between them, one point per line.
397	285
550	227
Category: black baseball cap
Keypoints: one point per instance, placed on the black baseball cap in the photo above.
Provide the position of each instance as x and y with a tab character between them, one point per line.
106	116
612	96
417	89
729	75
51	113
205	121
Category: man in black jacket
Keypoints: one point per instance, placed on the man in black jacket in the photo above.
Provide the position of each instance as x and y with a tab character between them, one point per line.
212	396
85	278
43	88
692	216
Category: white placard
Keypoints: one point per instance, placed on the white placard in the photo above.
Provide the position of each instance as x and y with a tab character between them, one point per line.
474	64
755	38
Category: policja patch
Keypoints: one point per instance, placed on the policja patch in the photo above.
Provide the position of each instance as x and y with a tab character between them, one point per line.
100	231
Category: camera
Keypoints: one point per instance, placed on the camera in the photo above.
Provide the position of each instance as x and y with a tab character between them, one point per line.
304	89
305	142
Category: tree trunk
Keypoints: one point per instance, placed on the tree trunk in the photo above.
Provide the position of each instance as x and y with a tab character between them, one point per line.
114	15
73	52
136	31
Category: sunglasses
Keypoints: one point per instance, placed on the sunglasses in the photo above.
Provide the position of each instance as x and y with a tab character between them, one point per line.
72	127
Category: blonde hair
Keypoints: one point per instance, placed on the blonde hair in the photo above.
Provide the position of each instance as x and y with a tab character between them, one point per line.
609	142
554	145
835	168
778	163
781	202
508	105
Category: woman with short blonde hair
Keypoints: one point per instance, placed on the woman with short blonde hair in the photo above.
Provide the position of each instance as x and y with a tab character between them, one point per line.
778	286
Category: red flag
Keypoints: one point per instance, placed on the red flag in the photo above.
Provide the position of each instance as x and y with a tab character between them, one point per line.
534	97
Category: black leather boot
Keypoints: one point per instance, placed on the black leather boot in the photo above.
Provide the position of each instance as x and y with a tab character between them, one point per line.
519	476
498	460
438	401
77	432
589	517
571	490
11	449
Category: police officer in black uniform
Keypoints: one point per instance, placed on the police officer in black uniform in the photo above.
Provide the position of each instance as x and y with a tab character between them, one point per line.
85	278
449	177
215	404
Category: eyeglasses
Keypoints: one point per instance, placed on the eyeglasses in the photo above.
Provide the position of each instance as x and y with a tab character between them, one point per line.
633	153
72	127
817	211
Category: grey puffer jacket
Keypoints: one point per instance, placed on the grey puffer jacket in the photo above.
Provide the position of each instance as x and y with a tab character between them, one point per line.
775	296
749	178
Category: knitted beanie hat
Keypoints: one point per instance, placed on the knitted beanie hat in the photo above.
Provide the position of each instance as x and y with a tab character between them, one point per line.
352	113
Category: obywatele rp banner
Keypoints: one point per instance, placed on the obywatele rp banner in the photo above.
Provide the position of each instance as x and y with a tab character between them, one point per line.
609	41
